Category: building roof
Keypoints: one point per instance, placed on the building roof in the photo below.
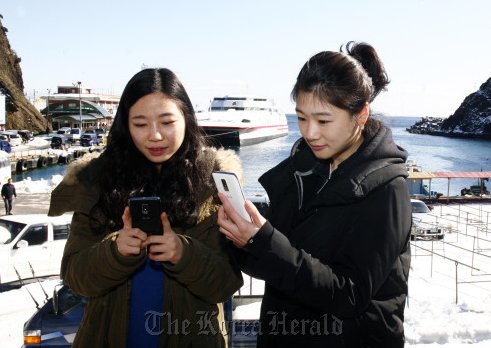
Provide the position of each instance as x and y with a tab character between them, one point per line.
58	108
449	175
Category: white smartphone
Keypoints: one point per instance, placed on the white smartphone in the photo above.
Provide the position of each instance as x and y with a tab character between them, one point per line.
228	184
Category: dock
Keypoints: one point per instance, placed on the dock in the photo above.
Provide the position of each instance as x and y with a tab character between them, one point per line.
30	158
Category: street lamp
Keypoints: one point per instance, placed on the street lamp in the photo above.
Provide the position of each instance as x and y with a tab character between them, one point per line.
80	103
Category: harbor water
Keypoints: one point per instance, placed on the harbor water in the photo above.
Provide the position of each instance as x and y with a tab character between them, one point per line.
432	153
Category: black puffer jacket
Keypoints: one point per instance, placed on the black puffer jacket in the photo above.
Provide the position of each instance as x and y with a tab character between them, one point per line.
336	269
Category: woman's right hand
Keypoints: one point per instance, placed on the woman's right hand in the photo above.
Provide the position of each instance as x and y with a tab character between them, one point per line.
130	240
234	226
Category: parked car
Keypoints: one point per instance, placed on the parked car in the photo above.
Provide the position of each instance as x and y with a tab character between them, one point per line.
63	131
90	139
5	146
89	131
426	225
75	134
478	190
31	246
102	134
14	139
100	131
56	322
60	142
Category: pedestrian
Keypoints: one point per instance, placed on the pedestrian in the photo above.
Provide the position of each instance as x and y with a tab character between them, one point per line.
8	194
334	250
149	290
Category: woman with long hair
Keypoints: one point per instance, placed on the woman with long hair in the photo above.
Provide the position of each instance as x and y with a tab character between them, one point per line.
149	290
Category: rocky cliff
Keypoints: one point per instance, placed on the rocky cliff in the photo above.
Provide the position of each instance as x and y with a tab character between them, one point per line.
471	120
20	113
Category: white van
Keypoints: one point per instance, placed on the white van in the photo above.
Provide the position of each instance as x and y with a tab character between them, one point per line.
34	240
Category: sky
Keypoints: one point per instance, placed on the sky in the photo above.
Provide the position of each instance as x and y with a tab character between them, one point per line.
436	52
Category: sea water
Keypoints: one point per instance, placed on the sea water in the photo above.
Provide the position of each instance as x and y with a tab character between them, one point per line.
432	153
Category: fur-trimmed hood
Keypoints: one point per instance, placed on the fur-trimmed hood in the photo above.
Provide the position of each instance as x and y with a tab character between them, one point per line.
226	160
74	194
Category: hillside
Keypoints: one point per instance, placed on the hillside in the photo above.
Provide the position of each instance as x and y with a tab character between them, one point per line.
471	120
20	113
473	115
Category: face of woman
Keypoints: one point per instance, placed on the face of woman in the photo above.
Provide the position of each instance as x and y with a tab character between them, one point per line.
330	132
157	127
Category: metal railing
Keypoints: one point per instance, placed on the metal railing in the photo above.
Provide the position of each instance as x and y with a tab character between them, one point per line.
457	264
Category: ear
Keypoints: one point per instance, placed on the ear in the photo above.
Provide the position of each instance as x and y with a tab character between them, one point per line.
362	117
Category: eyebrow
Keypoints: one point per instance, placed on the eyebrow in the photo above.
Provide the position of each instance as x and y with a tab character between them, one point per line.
321	113
165	114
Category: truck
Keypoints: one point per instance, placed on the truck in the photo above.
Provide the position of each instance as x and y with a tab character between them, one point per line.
31	246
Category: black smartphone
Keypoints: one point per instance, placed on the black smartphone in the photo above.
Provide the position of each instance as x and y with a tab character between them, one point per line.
145	214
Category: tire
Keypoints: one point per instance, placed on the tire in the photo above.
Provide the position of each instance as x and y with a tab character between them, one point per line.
42	162
21	165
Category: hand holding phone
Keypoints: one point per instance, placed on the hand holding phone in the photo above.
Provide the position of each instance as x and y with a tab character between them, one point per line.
145	214
228	184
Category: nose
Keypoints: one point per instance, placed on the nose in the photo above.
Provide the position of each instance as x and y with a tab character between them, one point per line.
156	133
311	131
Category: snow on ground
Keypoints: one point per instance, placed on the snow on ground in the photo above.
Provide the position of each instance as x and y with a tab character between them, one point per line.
433	318
38	186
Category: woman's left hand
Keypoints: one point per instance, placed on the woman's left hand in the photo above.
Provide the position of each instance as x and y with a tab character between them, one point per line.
165	247
234	226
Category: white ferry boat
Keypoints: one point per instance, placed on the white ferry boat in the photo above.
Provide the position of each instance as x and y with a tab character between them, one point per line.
239	121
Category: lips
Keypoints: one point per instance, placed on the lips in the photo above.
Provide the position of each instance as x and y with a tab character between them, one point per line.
156	151
317	147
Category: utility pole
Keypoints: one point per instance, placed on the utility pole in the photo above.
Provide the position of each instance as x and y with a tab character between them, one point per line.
47	112
80	103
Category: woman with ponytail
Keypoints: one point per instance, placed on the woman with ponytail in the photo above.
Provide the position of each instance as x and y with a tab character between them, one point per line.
334	250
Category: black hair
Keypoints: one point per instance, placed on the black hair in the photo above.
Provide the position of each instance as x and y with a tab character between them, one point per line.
127	172
346	80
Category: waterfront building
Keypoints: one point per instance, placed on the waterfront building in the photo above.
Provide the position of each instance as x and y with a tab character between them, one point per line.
77	107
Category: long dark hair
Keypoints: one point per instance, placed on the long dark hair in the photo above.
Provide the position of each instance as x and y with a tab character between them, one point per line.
126	172
345	80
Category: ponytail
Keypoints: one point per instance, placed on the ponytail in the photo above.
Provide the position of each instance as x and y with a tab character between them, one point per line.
371	63
346	80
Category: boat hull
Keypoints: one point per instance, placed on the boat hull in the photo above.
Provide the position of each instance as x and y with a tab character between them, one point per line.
242	120
230	136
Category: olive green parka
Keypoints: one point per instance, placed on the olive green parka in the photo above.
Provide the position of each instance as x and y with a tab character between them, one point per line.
194	288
